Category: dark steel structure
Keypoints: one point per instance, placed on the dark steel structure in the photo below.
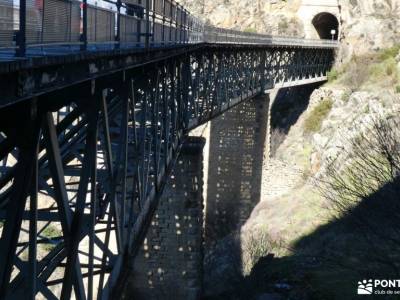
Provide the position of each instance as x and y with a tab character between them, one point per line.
88	138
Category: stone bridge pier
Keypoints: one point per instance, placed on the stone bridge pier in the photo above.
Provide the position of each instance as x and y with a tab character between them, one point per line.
169	264
191	216
237	150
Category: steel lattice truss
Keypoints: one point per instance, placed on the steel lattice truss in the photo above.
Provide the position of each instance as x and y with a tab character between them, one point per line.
82	168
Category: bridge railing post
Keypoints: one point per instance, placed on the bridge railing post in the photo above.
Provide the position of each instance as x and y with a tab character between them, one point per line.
84	26
147	39
118	35
163	24
21	37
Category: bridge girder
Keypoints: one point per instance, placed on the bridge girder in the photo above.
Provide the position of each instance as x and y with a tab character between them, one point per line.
86	147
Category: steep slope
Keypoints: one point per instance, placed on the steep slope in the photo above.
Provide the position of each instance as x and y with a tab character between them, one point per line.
366	25
271	16
294	244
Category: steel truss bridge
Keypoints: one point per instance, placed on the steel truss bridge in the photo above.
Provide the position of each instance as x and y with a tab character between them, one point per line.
92	119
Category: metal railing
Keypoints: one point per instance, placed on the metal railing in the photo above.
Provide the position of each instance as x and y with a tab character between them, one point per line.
100	25
214	35
6	23
52	22
79	25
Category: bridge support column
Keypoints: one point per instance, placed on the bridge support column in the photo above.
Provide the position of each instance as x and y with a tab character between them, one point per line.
238	141
169	265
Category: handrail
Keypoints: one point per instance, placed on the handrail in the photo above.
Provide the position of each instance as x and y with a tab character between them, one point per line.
156	23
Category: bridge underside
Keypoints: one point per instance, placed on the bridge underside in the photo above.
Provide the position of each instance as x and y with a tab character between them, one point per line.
86	147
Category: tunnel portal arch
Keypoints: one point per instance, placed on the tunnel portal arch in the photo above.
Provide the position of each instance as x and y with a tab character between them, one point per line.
324	23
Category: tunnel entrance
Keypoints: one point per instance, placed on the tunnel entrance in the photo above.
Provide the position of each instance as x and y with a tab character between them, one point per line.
324	24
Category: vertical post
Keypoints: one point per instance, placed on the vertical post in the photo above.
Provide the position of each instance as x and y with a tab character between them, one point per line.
33	228
182	25
84	25
118	36
154	21
42	28
29	134
170	21
139	27
147	23
70	22
21	41
163	23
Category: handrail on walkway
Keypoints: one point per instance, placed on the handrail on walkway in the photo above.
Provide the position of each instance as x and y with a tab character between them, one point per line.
38	27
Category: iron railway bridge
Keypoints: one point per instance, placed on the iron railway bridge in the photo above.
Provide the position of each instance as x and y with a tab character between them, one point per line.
95	103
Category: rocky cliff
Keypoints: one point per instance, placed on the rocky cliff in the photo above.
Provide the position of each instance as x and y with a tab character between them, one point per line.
290	236
269	16
293	246
366	25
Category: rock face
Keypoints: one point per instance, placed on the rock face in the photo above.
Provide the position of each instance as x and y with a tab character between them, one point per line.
366	25
269	16
289	208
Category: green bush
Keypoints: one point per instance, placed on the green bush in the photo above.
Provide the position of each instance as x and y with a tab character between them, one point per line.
283	26
380	71
389	53
369	70
398	89
333	75
346	96
50	232
314	120
250	30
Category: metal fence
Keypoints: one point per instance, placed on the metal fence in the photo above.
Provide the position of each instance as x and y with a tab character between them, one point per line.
6	23
129	23
131	29
52	22
214	35
100	25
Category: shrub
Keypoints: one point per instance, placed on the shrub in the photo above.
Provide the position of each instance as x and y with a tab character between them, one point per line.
49	233
283	26
361	183
256	245
389	53
314	120
333	75
250	30
346	96
384	72
398	89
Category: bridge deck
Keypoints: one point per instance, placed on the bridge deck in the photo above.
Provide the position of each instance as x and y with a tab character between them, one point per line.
88	136
10	63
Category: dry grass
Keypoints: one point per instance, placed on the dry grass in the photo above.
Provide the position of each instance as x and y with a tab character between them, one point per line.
256	245
368	71
313	122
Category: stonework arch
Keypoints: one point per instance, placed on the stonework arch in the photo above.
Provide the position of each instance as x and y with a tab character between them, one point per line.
318	16
324	23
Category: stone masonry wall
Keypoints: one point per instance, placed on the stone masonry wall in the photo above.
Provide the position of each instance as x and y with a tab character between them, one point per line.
236	155
170	263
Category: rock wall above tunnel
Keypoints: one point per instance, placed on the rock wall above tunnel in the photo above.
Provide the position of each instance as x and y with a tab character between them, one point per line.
368	25
319	18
